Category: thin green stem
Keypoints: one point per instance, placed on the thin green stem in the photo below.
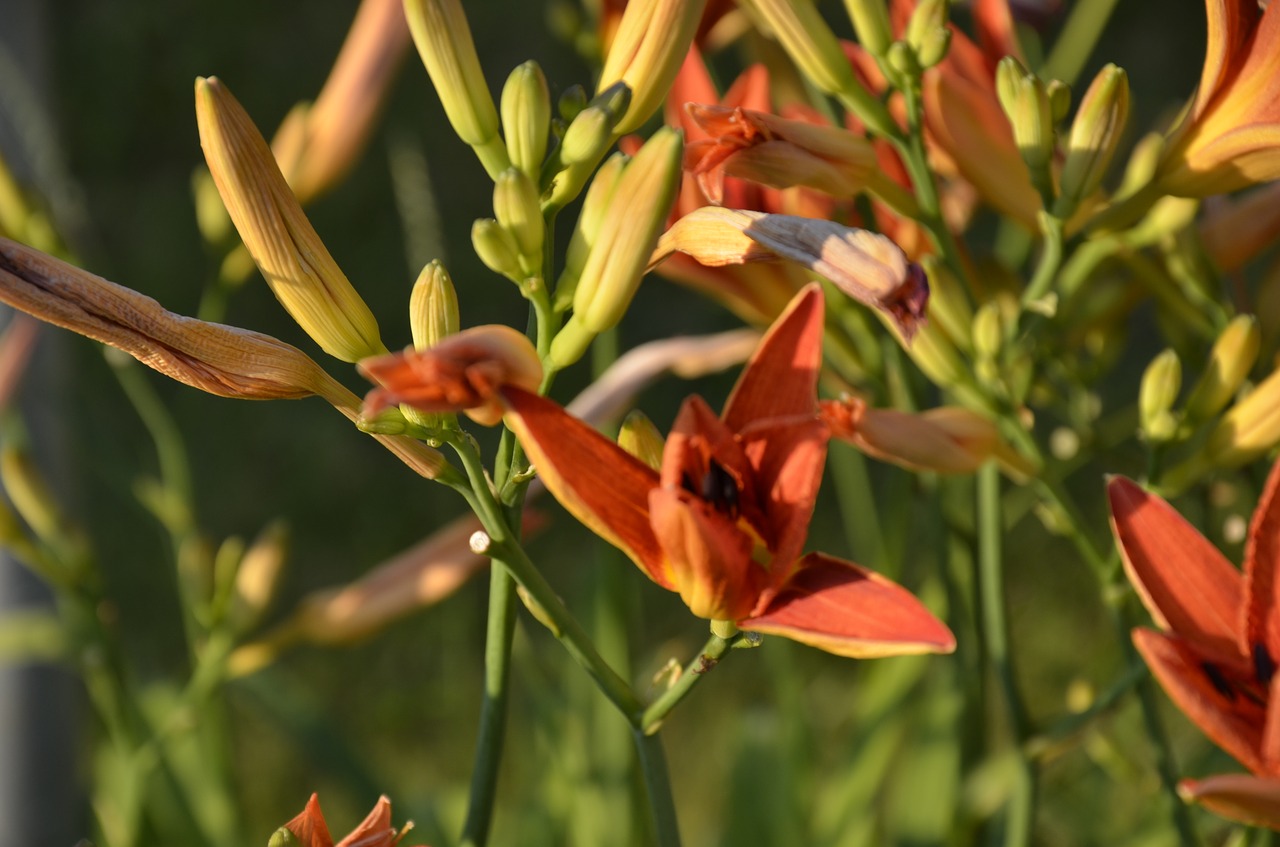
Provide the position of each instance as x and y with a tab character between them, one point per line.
1050	261
657	783
710	655
493	708
995	633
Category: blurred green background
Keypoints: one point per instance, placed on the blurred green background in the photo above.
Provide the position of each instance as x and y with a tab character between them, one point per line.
784	745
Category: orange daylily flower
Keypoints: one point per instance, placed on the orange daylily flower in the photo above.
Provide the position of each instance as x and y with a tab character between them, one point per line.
1215	653
462	373
724	520
310	829
1230	136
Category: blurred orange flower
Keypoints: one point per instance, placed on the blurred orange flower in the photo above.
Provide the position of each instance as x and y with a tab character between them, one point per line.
310	830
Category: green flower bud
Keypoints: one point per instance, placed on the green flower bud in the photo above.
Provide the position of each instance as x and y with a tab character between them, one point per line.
588	135
1159	390
433	307
871	23
526	118
1095	134
519	212
800	29
588	226
948	303
903	60
928	16
497	248
1025	102
1230	361
283	837
639	437
1249	428
572	101
1059	100
937	357
934	47
988	330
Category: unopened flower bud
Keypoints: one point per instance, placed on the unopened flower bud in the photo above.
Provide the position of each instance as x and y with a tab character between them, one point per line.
526	118
599	194
928	16
590	133
810	43
639	437
519	212
294	261
1025	102
258	575
1229	364
497	248
433	307
443	38
988	330
948	302
1160	385
1059	100
937	357
647	50
1249	428
282	837
1095	134
1142	164
871	24
571	101
934	47
903	59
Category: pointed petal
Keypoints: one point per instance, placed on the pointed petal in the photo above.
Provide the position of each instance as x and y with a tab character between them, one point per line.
1186	584
782	377
596	480
708	556
788	455
1239	796
1195	685
375	830
697	440
1261	559
1230	23
309	826
848	610
996	31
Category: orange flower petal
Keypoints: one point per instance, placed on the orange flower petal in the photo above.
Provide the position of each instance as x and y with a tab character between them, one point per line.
375	830
1242	797
1186	584
309	826
1261	559
782	377
848	610
788	455
1200	690
596	480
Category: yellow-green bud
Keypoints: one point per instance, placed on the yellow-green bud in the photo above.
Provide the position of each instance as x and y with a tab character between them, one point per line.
496	248
871	24
258	575
937	357
903	60
928	16
526	118
647	51
433	307
590	217
810	43
1230	361
988	330
443	38
572	101
639	437
629	231
589	135
1095	134
934	47
1249	428
211	215
1142	164
386	422
1160	385
1059	100
519	212
1026	104
283	837
948	303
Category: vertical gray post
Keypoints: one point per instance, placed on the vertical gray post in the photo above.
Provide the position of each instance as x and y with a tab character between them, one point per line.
40	803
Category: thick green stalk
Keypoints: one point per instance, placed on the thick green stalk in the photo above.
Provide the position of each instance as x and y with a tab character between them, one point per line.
657	783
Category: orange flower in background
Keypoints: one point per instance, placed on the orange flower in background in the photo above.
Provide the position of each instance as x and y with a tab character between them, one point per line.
724	520
1230	136
309	828
1215	653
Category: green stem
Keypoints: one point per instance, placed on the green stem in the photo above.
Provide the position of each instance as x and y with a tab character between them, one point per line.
1077	39
493	709
657	783
995	633
710	655
1050	261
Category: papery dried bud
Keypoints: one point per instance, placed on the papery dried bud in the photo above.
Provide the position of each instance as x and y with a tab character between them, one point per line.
646	53
460	374
443	38
294	261
639	437
864	265
1230	361
526	118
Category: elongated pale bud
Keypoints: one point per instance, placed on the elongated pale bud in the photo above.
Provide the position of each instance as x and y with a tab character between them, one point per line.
935	355
526	118
258	576
639	437
293	260
519	212
628	233
928	16
809	42
589	135
497	248
647	51
443	38
590	217
1025	102
948	303
871	24
1230	361
1059	100
988	331
1249	428
29	493
1159	390
1095	134
433	317
934	47
433	307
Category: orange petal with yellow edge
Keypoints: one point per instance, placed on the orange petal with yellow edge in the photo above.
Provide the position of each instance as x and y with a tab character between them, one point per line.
1186	584
1261	559
1242	797
596	480
782	377
848	610
1206	692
